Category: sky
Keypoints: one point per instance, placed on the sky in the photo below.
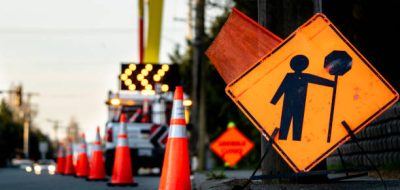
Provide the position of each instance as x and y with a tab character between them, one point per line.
69	51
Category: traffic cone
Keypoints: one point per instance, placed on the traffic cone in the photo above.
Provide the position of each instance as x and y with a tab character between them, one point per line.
122	171
145	116
97	171
176	167
69	165
82	165
60	159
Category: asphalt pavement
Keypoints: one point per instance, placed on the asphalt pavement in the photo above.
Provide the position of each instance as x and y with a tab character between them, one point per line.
18	179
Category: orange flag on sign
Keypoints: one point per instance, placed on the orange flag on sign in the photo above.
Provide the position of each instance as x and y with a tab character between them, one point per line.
242	36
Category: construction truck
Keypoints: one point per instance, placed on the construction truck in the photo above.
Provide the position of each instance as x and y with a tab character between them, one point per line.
147	117
145	95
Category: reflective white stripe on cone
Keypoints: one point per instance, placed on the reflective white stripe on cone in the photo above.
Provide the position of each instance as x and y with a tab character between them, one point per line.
177	131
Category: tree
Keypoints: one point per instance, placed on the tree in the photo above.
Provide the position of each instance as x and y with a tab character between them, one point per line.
11	138
219	108
10	135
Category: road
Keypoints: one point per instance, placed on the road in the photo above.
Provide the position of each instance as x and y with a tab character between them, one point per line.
17	179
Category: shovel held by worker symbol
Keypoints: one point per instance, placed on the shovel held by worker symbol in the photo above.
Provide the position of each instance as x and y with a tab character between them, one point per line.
337	63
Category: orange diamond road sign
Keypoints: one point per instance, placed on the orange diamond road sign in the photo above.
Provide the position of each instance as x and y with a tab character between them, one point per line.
309	87
232	145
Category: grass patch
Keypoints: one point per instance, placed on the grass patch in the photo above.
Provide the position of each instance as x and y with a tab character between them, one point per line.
216	175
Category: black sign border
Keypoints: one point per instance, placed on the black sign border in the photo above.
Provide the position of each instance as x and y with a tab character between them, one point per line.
344	139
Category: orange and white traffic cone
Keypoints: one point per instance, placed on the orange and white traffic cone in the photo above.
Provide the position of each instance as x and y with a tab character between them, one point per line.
82	165
60	159
176	167
122	171
97	171
69	160
145	115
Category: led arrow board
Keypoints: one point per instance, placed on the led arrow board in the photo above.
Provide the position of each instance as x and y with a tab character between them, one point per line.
138	77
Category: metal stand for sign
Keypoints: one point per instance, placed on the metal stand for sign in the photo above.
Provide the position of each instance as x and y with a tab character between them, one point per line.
360	171
348	129
267	148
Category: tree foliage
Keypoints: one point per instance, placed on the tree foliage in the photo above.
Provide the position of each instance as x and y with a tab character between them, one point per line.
10	135
11	138
219	108
362	22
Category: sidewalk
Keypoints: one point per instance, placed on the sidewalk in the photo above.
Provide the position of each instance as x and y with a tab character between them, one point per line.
240	177
201	178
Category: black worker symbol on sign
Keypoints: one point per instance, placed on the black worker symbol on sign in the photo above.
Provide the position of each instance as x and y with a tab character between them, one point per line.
294	89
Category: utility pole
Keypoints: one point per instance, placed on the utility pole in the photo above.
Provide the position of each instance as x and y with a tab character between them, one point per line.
27	125
190	21
25	106
262	20
317	6
290	19
198	108
273	162
27	121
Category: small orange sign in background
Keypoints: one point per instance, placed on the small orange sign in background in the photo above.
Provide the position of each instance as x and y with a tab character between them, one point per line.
231	146
313	80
